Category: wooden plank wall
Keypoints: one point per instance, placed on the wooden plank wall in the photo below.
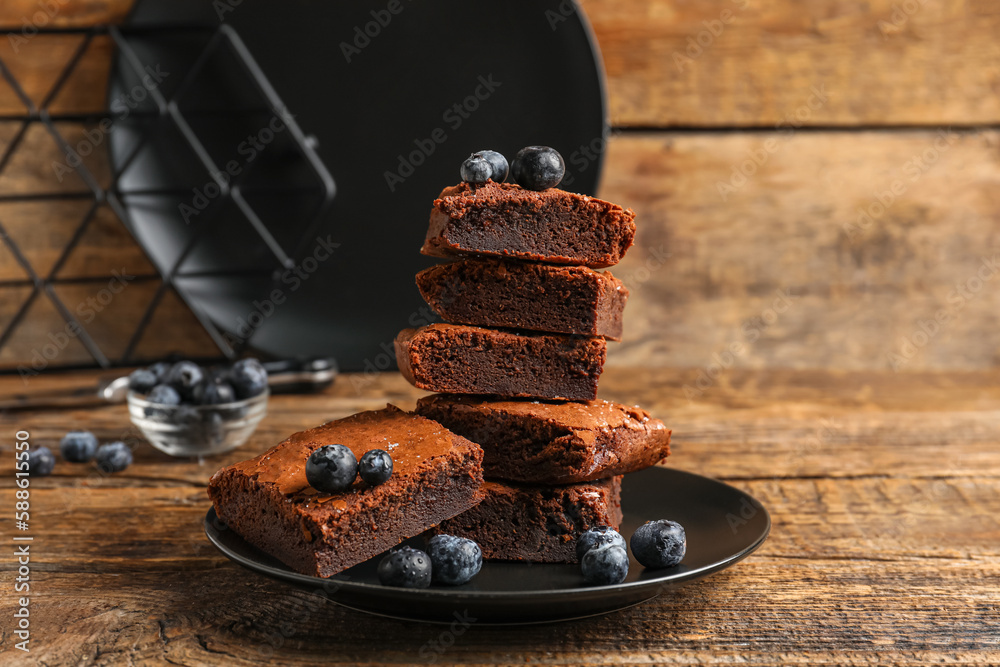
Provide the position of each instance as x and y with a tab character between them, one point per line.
817	183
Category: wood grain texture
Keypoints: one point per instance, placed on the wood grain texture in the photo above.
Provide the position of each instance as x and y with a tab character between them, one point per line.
882	488
23	15
728	63
800	263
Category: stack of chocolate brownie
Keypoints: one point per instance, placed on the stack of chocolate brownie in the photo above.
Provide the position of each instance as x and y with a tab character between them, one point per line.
518	362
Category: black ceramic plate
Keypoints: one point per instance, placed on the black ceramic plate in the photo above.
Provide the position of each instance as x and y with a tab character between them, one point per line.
366	110
723	524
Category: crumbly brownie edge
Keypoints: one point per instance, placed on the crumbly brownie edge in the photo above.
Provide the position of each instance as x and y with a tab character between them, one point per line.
536	451
455	367
525	295
516	525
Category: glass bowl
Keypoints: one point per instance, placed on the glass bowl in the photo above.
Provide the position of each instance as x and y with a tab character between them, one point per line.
197	430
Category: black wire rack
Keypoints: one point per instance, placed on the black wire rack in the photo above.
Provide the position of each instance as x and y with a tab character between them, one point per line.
163	113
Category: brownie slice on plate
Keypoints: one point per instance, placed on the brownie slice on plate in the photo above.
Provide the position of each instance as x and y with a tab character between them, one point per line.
539	524
540	442
267	500
471	360
526	295
553	225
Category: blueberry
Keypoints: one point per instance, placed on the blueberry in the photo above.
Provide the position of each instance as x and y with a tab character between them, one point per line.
142	381
375	467
164	394
405	567
41	461
476	169
184	376
78	446
248	377
595	537
113	457
607	564
213	391
455	560
538	168
331	469
659	543
498	162
160	370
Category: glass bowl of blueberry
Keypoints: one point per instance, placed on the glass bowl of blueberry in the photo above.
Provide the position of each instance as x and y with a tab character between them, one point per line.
183	409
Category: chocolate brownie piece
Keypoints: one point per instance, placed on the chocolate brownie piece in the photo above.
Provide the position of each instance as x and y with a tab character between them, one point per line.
549	226
267	500
471	360
523	295
539	524
552	443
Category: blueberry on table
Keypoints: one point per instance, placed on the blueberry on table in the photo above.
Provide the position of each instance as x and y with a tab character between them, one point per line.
213	391
41	461
78	446
607	564
331	469
454	560
113	457
184	376
595	537
659	543
375	466
142	381
538	168
405	567
248	377
476	169
498	162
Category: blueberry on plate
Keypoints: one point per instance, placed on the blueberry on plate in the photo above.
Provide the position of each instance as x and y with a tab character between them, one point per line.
405	567
498	162
375	466
476	169
606	564
41	461
331	469
538	168
78	446
595	537
113	457
454	560
659	543
213	391
184	376
248	377
142	381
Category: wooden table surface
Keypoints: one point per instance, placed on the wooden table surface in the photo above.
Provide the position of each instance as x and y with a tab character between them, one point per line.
883	490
